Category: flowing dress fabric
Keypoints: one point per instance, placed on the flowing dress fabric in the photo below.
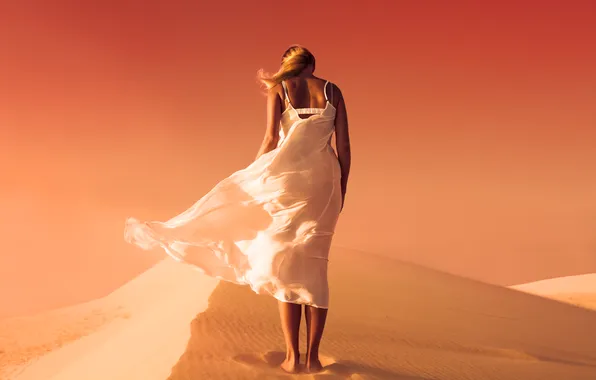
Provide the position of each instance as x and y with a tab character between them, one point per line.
269	225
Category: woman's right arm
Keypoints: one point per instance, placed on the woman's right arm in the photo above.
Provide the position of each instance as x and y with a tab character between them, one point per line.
342	142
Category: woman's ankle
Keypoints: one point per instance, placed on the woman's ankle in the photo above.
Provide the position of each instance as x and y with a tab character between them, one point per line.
292	355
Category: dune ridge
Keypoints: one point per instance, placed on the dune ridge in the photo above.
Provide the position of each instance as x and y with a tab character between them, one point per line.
164	298
23	339
577	290
583	283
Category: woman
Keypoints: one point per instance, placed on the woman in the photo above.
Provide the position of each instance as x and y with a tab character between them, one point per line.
270	225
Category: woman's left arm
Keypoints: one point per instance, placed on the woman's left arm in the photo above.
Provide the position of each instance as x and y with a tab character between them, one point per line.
273	117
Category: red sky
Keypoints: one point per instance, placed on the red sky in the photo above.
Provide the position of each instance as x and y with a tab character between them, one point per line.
473	128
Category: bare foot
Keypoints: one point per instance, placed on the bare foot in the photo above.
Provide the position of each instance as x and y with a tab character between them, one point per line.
290	365
314	365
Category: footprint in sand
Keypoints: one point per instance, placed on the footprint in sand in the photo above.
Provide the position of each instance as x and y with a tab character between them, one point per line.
334	370
269	362
263	361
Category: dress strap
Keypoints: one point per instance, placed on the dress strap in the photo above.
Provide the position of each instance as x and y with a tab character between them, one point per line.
325	90
283	84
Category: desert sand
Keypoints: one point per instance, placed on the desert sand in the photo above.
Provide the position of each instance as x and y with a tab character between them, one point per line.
388	320
135	332
579	290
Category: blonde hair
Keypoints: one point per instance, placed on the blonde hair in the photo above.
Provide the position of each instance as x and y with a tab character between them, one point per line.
293	61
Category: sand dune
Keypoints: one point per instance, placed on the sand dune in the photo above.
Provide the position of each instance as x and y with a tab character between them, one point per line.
25	338
388	320
116	337
585	283
577	290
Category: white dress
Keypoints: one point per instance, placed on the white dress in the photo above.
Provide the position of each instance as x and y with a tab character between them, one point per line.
269	225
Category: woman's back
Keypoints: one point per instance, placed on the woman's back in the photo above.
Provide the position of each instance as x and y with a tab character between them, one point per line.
308	92
305	96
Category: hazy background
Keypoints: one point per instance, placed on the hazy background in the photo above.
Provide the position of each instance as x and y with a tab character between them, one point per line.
473	130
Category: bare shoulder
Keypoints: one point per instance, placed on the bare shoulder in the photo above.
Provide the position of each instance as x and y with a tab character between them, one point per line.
275	98
336	90
276	90
336	94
